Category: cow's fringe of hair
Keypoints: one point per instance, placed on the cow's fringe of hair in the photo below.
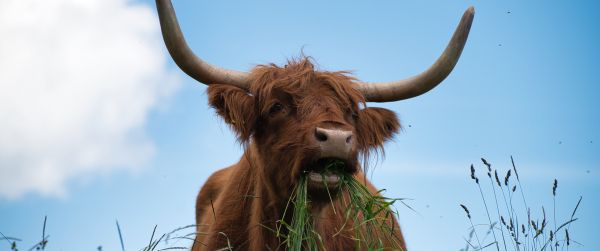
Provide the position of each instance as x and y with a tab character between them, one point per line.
297	75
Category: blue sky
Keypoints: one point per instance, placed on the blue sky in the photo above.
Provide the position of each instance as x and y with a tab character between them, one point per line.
525	86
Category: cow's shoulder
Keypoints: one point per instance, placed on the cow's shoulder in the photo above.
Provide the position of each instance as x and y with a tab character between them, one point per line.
214	184
211	190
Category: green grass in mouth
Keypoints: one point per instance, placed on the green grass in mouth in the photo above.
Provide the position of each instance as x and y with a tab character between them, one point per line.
367	216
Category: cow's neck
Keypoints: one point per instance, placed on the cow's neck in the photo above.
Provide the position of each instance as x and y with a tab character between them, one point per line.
272	197
268	202
267	181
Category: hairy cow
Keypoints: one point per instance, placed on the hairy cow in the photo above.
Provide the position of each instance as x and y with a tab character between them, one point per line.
291	120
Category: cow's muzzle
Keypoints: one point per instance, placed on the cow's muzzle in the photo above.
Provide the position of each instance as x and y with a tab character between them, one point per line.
334	143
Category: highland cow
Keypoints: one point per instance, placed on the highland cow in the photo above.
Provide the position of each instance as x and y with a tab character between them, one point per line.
291	120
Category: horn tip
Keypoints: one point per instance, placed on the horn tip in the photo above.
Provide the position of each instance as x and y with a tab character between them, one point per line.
470	10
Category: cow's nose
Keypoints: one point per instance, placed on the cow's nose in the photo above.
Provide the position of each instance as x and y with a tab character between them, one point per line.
334	143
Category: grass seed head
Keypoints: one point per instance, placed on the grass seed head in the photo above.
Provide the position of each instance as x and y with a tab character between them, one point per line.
473	177
497	179
489	166
466	210
514	167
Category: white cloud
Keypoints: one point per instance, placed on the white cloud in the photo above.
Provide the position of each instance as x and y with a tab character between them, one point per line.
77	81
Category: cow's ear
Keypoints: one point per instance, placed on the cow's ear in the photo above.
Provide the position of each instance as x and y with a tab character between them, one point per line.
236	107
375	126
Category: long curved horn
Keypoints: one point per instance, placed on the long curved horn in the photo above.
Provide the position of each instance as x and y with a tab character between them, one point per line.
185	58
427	80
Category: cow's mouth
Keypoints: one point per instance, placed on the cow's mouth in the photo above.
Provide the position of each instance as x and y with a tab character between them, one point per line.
325	176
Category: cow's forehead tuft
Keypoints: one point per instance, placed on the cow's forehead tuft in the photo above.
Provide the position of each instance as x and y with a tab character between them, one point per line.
300	81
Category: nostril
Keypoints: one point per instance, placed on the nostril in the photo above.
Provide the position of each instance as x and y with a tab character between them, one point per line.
321	136
349	139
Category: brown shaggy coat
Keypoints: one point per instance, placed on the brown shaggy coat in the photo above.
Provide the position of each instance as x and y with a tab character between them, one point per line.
239	205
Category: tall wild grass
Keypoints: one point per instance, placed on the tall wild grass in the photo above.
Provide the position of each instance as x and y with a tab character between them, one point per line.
510	224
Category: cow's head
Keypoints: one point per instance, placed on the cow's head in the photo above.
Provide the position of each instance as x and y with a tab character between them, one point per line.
304	121
301	120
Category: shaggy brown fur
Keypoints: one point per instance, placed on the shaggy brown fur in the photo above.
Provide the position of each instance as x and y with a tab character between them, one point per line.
275	121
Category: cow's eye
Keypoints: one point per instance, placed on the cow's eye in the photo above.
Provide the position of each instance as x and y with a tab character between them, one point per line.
277	107
353	116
